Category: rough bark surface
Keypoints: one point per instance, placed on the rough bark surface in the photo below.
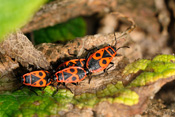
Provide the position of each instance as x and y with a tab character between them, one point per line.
17	46
60	11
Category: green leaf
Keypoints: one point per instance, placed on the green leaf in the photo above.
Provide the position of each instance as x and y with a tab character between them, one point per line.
61	32
15	13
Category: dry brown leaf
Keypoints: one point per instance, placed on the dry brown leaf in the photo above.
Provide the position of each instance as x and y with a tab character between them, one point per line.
16	45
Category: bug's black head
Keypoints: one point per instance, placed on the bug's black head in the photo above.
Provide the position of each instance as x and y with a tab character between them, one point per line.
21	79
114	48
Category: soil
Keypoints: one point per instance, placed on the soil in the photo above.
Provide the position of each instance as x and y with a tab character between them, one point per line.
163	104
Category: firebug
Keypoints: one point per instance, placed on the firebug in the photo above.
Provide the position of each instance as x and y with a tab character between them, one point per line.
71	63
72	75
38	78
99	60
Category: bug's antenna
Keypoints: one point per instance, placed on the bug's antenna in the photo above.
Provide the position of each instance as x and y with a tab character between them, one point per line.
128	30
115	40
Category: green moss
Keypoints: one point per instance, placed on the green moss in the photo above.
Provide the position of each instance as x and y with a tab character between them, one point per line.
64	93
164	58
113	93
86	99
142	79
8	104
156	66
127	97
160	67
136	66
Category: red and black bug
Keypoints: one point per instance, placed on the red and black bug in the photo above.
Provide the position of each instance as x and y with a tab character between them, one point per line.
71	63
99	60
69	75
38	78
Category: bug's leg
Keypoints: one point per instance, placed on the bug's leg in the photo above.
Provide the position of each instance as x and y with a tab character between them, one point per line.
67	88
94	47
90	77
86	49
89	51
75	84
30	88
41	89
112	64
88	55
74	55
19	88
105	71
56	90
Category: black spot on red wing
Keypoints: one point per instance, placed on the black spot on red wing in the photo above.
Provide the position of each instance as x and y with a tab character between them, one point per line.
72	70
34	83
74	78
97	54
40	73
104	61
34	79
41	82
